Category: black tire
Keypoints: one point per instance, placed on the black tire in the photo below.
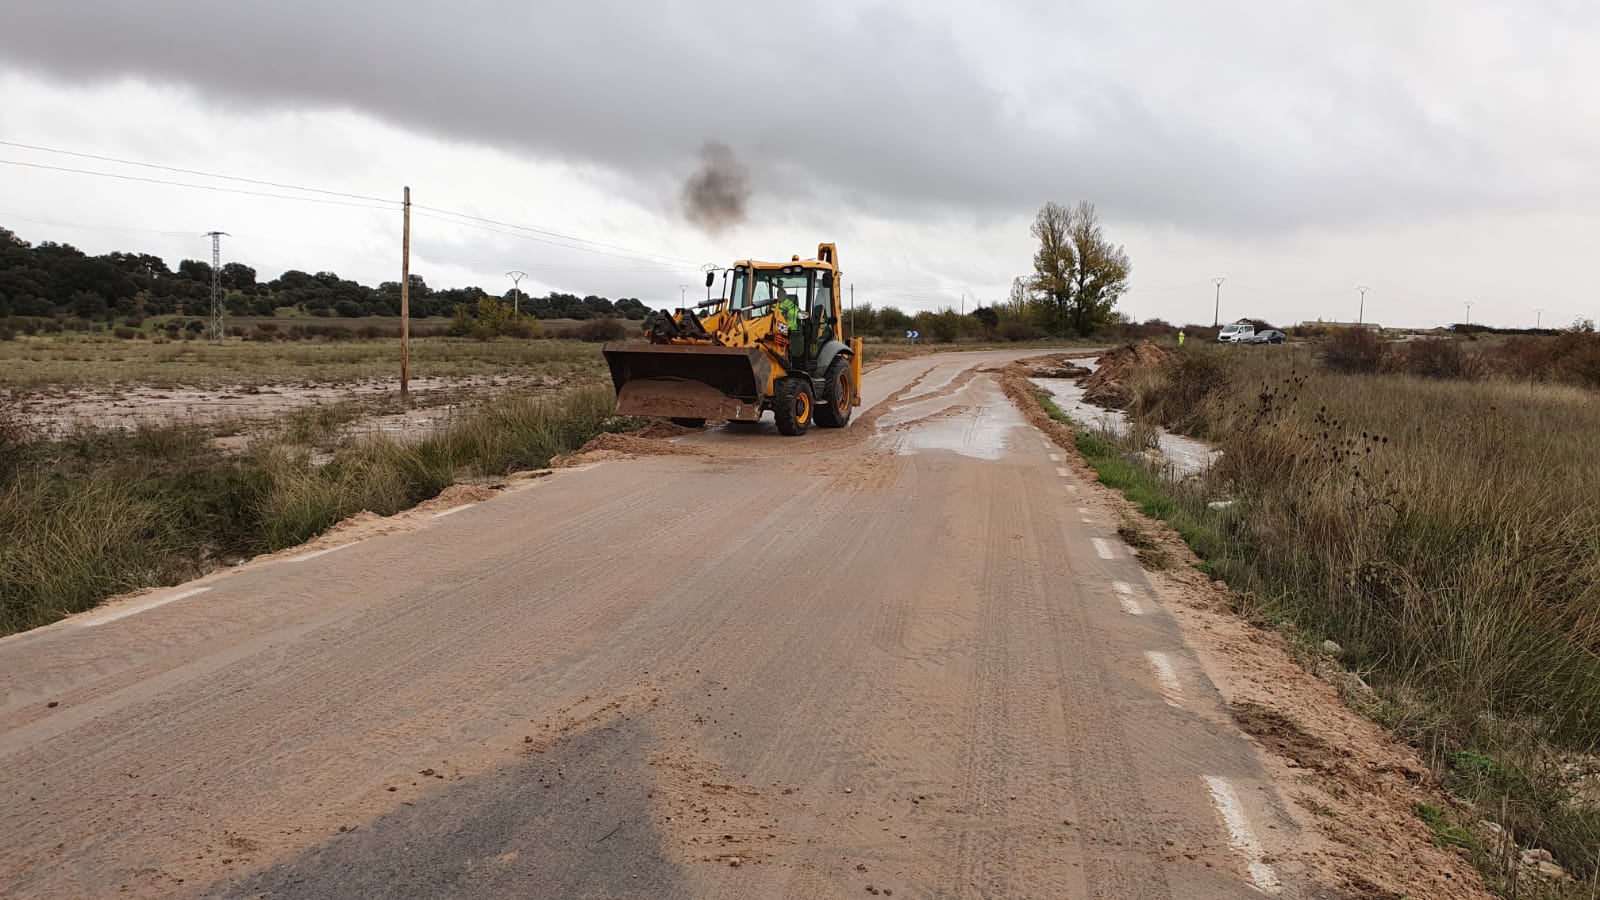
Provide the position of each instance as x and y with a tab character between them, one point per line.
838	394
689	423
793	406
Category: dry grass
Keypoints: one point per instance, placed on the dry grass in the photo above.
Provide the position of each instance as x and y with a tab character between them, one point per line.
101	513
1445	533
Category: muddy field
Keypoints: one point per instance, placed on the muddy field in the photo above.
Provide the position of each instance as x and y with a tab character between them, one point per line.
433	399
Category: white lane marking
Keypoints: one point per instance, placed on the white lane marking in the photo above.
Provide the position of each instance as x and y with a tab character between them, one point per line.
1086	520
1055	457
1084	510
1166	676
141	607
1062	471
1102	548
453	510
1129	604
1240	837
316	553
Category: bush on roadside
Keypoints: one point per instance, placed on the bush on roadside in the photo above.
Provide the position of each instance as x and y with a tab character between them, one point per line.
1016	332
1356	351
125	334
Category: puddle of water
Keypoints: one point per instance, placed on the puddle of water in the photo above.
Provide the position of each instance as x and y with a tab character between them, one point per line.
1187	456
976	421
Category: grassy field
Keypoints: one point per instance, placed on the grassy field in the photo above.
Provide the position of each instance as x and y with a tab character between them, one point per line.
1444	532
102	512
72	361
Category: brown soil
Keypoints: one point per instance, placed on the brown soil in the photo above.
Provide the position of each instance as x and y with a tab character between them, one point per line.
664	430
56	412
1353	782
1066	370
1108	386
624	446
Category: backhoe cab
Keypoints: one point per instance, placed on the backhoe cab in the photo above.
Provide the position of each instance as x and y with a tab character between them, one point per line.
773	339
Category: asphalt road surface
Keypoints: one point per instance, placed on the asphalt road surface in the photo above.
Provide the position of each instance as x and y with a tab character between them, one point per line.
906	658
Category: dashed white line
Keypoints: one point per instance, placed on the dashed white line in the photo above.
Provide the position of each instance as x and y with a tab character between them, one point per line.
1055	457
453	510
141	607
1240	837
316	553
1083	510
1062	471
1103	548
1166	676
1129	604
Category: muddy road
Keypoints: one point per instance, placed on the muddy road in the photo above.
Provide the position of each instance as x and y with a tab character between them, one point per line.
907	659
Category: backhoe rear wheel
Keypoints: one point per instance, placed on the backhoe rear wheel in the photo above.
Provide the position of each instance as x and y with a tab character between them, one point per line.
838	394
792	405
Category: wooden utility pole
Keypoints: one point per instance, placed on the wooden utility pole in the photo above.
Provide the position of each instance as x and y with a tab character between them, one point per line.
405	303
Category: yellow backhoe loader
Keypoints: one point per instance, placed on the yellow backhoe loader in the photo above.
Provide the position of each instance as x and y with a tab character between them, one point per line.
774	340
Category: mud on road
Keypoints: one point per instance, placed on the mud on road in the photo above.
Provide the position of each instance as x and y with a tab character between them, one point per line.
900	659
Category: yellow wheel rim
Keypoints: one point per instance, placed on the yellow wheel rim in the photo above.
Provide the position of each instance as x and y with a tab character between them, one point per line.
802	408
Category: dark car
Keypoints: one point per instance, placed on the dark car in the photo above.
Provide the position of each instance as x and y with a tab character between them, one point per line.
1267	337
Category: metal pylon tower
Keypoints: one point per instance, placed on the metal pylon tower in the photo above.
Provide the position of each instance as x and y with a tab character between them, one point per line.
216	284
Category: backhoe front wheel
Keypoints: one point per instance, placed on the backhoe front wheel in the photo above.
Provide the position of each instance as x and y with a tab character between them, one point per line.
838	395
792	405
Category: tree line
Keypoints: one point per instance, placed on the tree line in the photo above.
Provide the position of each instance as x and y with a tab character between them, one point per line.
51	280
1077	279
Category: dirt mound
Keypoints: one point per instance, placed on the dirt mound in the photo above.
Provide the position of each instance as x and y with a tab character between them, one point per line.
664	430
1064	370
625	446
1108	386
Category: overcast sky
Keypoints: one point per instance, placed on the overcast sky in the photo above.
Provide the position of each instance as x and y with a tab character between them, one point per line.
1439	152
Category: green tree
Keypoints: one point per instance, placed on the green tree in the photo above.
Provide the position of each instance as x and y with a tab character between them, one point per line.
1078	274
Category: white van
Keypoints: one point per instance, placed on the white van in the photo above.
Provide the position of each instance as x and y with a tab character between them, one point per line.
1236	333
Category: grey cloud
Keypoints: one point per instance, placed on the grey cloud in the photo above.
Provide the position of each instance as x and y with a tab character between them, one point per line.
879	108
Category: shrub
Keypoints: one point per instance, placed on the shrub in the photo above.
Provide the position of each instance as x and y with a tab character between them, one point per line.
7	333
1572	356
524	327
126	334
1437	358
1019	331
1355	351
598	330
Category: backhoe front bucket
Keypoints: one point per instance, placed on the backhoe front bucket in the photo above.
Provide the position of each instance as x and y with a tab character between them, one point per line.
688	381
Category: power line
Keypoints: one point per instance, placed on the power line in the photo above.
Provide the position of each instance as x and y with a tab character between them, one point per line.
296	187
625	252
556	234
525	237
202	187
129	162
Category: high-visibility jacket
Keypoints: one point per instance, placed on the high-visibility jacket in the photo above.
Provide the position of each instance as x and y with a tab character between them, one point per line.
791	313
